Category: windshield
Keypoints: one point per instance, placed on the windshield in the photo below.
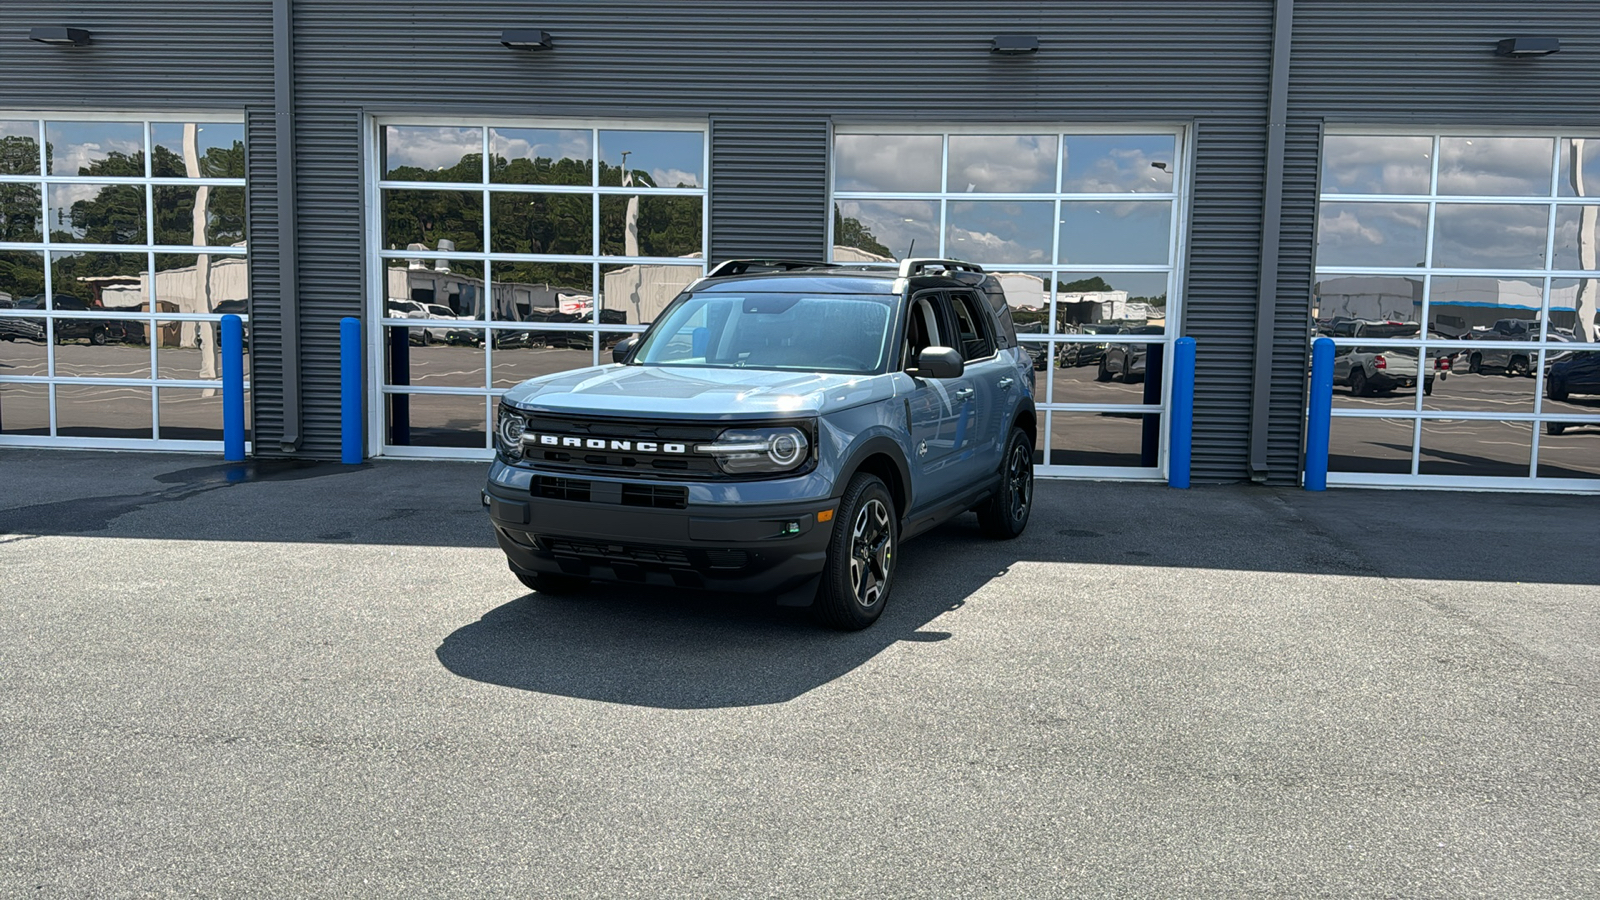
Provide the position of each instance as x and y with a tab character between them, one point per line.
845	333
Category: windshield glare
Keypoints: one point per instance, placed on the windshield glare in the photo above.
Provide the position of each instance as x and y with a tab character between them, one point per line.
845	333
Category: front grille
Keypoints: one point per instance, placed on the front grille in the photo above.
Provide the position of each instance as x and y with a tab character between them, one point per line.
666	556
655	496
688	466
578	490
561	488
647	555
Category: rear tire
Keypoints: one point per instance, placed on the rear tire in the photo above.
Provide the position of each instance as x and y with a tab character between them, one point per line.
1006	514
1358	383
1554	428
552	584
859	572
1475	364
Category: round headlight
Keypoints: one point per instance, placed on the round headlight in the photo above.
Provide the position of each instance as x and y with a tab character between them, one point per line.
758	450
512	427
784	449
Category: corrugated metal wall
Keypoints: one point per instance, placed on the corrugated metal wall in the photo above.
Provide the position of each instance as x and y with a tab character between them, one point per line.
1386	62
176	55
770	193
769	76
266	306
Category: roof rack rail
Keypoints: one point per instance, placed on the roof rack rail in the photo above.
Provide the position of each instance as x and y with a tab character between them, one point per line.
916	266
741	266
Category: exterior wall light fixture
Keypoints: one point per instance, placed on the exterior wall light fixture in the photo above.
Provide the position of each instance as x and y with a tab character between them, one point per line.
526	39
61	36
1527	47
1014	44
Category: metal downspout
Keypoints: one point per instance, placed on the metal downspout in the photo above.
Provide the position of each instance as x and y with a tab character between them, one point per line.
288	233
1271	218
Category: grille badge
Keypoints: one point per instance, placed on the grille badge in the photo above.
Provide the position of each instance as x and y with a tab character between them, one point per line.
617	445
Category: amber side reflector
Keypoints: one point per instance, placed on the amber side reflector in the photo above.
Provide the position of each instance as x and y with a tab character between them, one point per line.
825	516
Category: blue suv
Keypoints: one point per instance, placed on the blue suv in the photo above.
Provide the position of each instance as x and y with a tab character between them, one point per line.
780	429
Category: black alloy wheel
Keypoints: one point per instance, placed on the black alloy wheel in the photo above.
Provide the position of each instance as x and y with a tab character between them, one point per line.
1005	515
859	573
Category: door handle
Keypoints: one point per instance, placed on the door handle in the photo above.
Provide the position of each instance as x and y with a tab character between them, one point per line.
963	393
1006	383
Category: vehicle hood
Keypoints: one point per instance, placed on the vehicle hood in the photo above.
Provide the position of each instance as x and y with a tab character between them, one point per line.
697	393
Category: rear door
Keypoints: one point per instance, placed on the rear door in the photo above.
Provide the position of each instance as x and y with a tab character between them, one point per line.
990	376
934	405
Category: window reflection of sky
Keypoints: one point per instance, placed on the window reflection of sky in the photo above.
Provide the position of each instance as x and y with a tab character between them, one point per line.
999	231
1570	250
1004	164
540	143
208	136
672	158
1495	167
1368	164
428	148
75	146
897	223
887	162
1118	163
1372	234
1489	236
1115	233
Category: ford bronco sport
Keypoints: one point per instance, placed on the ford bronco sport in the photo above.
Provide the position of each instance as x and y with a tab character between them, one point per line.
780	429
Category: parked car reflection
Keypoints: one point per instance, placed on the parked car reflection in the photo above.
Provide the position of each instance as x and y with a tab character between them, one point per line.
1126	360
1085	354
1573	373
20	328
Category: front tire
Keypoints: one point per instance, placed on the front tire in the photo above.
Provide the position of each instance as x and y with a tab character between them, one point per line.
1006	514
859	572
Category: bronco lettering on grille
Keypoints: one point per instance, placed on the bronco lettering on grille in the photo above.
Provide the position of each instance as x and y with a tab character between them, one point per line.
573	442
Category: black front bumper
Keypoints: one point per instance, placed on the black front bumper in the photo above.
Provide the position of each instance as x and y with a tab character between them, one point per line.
747	549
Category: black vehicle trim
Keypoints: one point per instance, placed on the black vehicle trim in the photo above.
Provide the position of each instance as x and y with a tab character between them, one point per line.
878	444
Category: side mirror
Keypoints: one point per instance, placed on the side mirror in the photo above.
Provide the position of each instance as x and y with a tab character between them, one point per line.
623	349
938	362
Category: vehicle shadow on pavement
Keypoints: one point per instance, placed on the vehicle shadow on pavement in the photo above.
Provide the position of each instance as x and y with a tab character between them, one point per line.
681	649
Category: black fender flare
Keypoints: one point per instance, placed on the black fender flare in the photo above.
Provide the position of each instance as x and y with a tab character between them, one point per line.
1025	408
877	445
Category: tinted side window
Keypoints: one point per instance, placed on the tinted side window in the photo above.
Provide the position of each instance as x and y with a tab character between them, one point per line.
1002	315
972	323
923	328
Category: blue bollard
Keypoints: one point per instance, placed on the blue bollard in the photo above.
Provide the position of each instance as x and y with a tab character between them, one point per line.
1319	421
232	388
1182	412
350	391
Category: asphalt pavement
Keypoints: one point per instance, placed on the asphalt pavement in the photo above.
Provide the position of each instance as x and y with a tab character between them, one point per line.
288	679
